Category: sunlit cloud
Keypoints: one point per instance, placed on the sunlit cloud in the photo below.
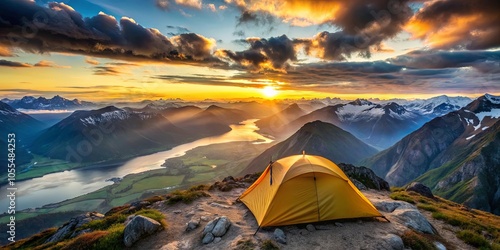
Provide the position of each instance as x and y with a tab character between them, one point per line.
91	61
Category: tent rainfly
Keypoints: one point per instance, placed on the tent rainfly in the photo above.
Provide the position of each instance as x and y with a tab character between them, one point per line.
303	189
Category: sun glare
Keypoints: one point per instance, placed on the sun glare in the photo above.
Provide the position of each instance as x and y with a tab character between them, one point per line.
269	91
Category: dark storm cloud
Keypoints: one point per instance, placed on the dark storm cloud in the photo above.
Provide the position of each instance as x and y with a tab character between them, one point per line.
6	63
264	54
59	28
473	25
257	19
483	61
178	30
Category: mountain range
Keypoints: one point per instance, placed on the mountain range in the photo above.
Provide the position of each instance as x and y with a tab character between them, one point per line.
41	103
112	133
315	138
457	155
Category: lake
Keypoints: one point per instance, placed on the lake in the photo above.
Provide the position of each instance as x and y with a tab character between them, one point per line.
56	187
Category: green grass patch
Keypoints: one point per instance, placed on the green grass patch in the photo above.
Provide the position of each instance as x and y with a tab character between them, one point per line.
427	207
402	196
113	240
473	239
416	241
187	196
105	223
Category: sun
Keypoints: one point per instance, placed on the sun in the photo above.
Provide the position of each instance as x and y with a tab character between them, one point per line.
269	91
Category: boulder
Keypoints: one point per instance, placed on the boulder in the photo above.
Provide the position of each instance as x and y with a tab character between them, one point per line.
192	224
209	237
412	218
420	188
389	206
139	227
364	175
70	229
279	236
221	227
215	228
394	242
310	228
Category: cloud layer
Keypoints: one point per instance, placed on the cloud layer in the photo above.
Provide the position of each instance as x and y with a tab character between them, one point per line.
59	28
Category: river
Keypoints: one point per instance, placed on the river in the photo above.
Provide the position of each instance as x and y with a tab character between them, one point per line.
60	186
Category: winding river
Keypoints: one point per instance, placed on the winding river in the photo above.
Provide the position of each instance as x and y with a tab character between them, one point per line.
60	186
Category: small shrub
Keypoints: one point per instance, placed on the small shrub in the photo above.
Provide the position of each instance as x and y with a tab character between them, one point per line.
415	241
473	239
198	187
269	245
186	196
245	245
84	241
113	240
401	197
105	223
427	207
154	199
397	189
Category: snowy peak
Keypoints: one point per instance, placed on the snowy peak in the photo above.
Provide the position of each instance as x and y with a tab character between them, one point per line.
361	102
41	103
493	99
437	106
109	114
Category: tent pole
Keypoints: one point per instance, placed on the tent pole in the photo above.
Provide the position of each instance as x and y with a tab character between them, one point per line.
386	219
256	231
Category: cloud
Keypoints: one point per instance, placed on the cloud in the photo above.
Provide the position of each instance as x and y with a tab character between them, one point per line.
459	75
445	24
6	63
421	59
178	30
163	4
43	63
91	61
5	52
211	7
113	68
49	64
264	54
195	4
59	28
222	7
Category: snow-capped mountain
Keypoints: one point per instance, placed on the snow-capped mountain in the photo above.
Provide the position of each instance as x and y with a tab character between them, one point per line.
41	103
436	106
457	155
375	124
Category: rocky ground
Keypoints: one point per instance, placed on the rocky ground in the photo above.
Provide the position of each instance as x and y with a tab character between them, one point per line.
347	234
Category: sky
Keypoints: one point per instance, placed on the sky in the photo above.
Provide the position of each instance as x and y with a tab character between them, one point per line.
124	50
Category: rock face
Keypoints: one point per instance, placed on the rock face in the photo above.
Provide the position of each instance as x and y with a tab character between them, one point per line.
139	227
192	224
215	228
364	175
68	229
407	214
421	189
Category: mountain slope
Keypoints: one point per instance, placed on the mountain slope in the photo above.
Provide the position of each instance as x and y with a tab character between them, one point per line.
107	134
315	138
271	123
23	126
456	155
378	125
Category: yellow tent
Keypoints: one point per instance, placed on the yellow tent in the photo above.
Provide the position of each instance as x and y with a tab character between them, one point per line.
302	189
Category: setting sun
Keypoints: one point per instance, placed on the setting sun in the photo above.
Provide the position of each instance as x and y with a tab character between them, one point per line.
269	91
